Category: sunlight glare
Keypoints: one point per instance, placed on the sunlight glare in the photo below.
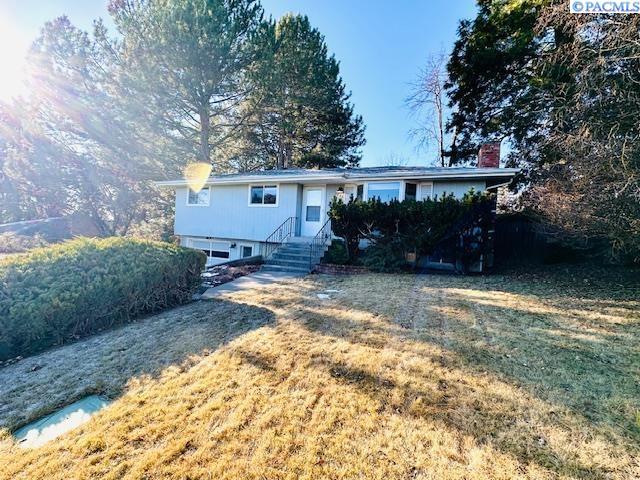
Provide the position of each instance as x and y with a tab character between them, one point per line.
197	174
13	50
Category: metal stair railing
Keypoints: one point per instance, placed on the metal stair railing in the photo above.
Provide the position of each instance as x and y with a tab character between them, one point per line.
319	242
279	235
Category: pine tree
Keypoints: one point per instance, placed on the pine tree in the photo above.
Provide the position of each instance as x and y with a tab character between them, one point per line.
186	62
71	146
492	78
300	114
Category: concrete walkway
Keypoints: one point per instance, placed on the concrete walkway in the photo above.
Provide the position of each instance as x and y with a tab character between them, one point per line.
254	280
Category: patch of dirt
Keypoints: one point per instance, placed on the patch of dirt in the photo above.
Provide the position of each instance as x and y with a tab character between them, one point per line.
218	275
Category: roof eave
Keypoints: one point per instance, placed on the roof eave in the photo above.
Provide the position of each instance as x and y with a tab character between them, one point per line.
346	177
442	175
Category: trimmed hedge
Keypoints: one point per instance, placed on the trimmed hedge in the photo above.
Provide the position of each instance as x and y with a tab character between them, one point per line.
66	291
395	229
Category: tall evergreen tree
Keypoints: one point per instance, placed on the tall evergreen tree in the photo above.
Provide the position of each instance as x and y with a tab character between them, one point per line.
71	146
563	90
300	114
186	62
14	206
180	84
492	79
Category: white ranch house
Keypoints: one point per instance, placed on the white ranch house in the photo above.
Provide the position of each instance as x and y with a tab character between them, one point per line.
247	214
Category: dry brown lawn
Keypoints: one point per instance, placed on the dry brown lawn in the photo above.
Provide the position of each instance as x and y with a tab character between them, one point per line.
393	377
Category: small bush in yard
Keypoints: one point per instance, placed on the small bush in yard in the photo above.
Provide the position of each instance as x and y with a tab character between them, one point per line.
337	253
385	257
66	291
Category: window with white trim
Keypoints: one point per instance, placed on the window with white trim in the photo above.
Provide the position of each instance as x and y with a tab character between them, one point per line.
200	198
246	251
263	195
211	248
426	191
385	191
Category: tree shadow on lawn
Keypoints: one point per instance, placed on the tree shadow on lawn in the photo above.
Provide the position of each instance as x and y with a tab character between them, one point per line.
107	362
580	353
587	365
442	404
606	284
598	388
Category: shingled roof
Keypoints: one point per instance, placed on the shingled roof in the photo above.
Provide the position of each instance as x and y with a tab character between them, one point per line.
341	175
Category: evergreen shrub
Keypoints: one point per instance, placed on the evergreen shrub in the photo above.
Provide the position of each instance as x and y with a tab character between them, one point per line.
59	293
394	229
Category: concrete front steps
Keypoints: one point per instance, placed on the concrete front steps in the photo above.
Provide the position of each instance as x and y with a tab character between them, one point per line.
292	257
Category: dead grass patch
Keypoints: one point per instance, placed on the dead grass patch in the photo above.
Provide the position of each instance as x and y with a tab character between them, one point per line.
394	377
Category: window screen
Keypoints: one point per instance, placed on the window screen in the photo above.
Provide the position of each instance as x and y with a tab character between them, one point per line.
426	191
313	213
247	251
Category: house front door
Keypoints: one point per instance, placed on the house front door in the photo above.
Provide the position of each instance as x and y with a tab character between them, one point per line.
312	211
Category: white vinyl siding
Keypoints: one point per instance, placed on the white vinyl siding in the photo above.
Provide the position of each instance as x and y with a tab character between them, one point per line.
230	216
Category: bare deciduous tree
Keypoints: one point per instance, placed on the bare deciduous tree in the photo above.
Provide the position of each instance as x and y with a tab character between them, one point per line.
394	159
428	103
590	185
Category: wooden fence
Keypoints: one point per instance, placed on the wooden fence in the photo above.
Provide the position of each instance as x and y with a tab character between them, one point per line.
520	239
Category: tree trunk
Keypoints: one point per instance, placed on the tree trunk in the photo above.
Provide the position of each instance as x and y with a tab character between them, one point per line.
440	112
283	159
103	228
280	157
286	161
205	131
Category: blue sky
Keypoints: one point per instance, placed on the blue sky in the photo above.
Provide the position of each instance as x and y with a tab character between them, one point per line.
381	47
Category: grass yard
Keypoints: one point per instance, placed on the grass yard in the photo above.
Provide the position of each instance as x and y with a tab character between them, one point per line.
393	377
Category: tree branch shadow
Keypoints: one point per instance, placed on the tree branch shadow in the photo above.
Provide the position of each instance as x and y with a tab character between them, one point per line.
473	355
109	362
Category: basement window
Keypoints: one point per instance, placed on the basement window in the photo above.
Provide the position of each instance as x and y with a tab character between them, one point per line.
212	249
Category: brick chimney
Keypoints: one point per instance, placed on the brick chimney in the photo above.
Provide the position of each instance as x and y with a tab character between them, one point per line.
489	155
